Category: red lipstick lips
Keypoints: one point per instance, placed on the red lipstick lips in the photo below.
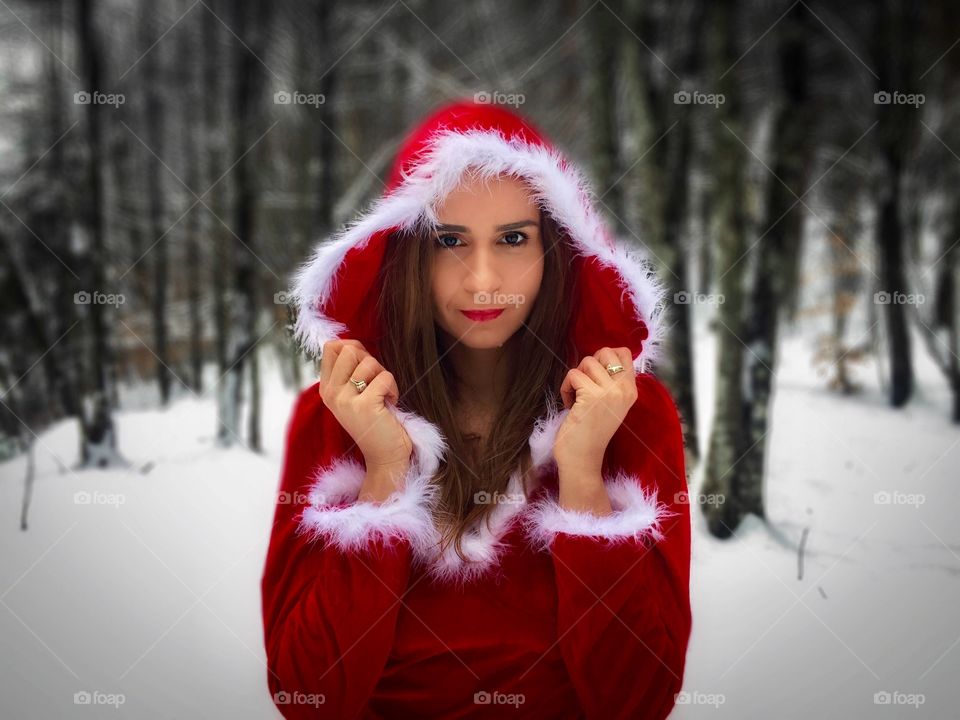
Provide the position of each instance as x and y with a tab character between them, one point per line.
482	315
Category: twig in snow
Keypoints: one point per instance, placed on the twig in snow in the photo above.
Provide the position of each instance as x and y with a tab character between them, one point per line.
803	544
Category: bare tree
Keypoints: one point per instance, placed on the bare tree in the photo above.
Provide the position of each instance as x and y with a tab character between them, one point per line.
248	98
727	437
98	437
153	119
783	231
893	55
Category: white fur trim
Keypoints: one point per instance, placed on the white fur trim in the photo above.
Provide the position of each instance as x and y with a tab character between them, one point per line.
483	545
544	436
404	515
429	445
556	184
636	515
337	484
335	514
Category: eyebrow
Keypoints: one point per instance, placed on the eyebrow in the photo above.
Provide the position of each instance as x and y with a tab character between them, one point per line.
464	229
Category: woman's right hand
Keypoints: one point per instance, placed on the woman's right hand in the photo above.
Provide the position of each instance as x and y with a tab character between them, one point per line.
365	416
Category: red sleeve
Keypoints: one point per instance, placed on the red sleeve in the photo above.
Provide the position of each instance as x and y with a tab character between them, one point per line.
335	570
623	579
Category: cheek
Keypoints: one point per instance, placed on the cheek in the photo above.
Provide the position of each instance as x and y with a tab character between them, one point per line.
442	286
528	280
521	279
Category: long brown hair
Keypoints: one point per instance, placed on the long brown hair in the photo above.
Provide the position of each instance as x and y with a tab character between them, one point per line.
413	348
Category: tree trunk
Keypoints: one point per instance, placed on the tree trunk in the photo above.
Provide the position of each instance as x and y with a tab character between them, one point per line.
326	192
98	437
153	123
221	265
728	434
783	228
193	222
895	128
603	104
243	328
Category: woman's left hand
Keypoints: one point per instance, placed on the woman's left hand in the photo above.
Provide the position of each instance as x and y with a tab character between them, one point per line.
598	403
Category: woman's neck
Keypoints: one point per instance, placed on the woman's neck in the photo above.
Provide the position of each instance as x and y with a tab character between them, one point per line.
484	375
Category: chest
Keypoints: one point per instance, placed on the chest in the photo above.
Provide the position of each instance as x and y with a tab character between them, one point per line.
475	422
517	597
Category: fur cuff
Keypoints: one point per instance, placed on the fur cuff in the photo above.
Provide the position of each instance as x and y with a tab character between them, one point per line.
336	515
636	516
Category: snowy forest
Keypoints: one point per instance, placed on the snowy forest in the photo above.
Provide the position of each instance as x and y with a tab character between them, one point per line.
791	169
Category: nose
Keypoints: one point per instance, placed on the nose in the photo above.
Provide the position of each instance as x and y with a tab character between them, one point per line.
482	274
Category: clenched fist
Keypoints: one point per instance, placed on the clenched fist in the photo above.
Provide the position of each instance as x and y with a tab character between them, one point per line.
365	416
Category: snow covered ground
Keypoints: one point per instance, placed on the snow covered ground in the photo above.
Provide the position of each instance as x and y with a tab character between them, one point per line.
143	591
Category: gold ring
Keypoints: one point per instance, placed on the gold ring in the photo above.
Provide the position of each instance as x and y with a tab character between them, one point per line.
614	369
360	384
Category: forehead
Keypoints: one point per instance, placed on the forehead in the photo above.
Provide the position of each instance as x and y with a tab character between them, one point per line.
490	199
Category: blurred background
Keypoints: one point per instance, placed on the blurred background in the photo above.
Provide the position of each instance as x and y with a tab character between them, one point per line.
792	169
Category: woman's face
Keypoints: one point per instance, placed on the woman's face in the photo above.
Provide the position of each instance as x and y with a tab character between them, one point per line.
488	259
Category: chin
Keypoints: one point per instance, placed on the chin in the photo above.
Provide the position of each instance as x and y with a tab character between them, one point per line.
480	338
477	343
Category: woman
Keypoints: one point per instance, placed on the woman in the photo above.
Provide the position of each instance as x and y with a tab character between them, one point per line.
483	503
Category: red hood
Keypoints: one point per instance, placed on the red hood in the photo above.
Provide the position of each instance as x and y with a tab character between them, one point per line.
619	302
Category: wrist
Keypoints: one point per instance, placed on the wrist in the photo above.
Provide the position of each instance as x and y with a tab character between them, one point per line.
581	484
382	480
582	464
